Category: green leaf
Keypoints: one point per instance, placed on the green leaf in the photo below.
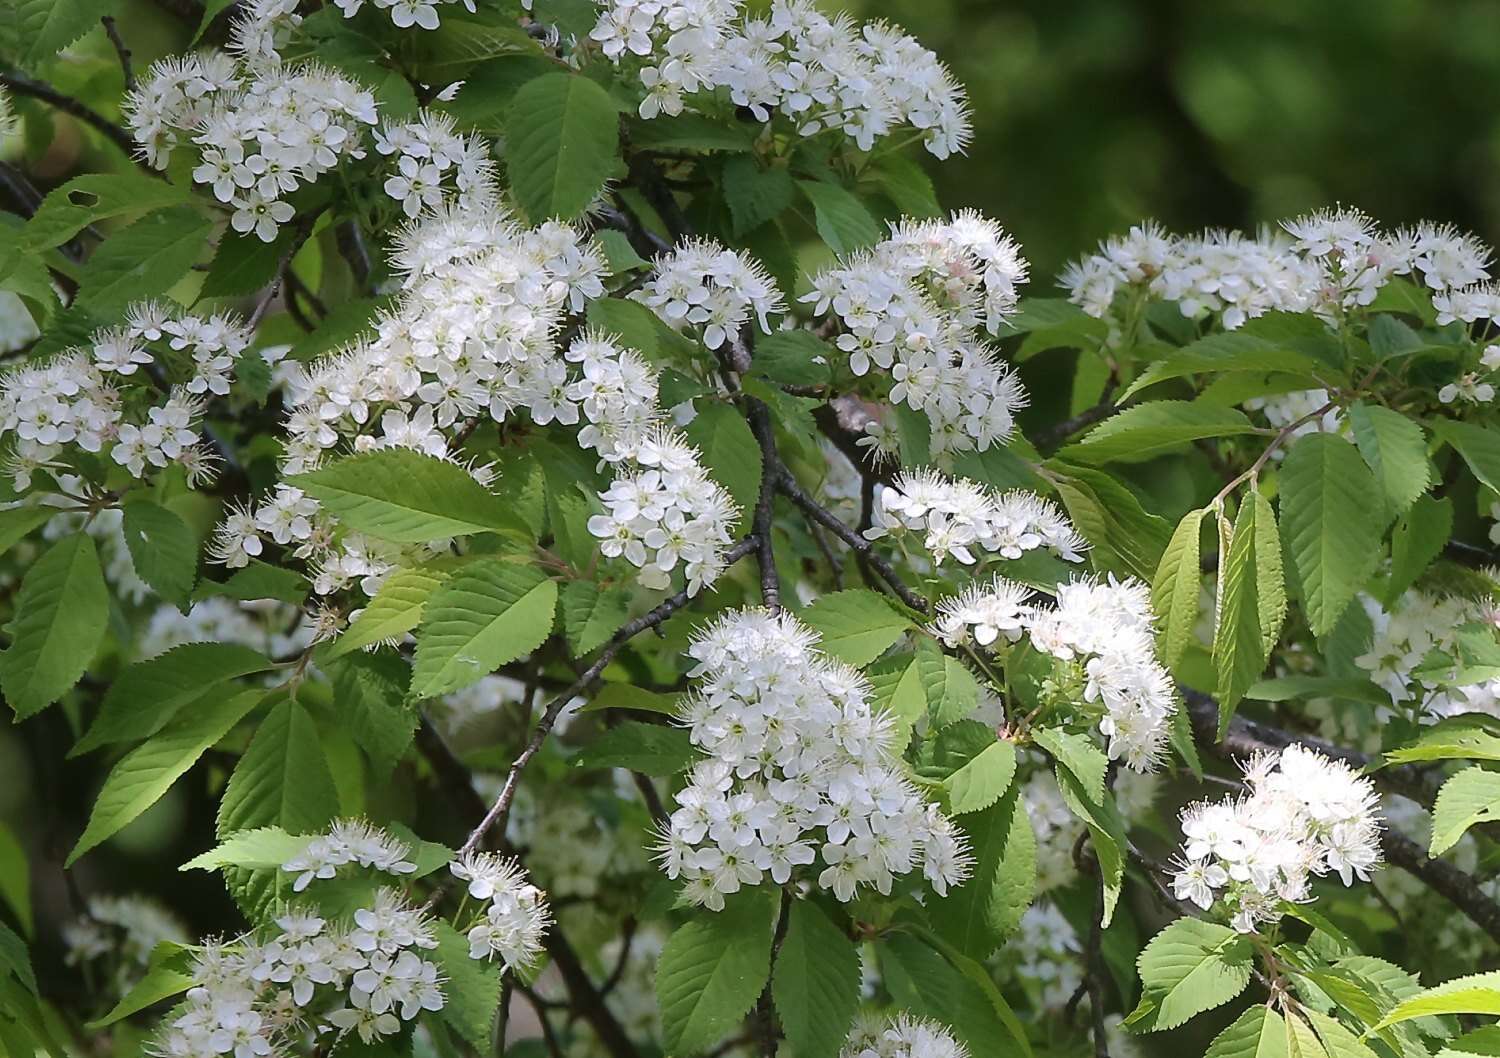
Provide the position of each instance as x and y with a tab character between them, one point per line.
487	614
143	260
18	522
1301	1042
1331	521
15	878
906	184
1395	449
729	452
406	497
1419	537
244	263
1298	345
983	780
95	197
794	358
816	984
1106	834
471	987
921	979
1257	1033
857	625
842	220
619	253
1077	753
562	142
1456	738
163	980
1472	796
1193	966
652	749
1175	588
263	847
755	195
951	690
1147	430
141	777
60	617
1475	994
627	696
1337	1040
145	696
692	132
460	42
1270	580
1290	688
162	548
258	580
369	697
1124	537
46	27
976	916
1239	648
899	690
712	971
1478	445
592	614
396	609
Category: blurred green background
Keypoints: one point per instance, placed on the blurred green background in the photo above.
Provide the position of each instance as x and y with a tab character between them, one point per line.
1092	114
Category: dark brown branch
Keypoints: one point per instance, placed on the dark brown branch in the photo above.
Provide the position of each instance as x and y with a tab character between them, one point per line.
351	244
771	470
28	86
1060	432
113	32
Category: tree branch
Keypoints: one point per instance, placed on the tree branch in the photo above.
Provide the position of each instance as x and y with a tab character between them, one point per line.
28	86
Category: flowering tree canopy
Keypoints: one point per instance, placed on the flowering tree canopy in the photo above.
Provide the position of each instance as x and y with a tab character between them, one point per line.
558	485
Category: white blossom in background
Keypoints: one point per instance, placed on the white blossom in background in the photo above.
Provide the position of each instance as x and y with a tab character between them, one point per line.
865	80
712	291
901	1036
918	305
120	932
516	915
107	398
1405	639
1283	409
955	517
799	774
1326	262
1303	816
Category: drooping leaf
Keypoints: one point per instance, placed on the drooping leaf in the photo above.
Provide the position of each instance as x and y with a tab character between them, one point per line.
143	260
1331	521
141	777
60	617
1175	588
563	143
1396	451
712	971
1192	966
1124	537
1147	430
487	614
857	625
163	549
842	220
1472	796
816	983
729	452
652	749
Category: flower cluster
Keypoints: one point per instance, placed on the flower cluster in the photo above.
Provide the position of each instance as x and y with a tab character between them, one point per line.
261	131
1304	815
901	1036
800	769
1408	638
349	841
104	398
1327	262
406	13
120	932
913	305
956	516
434	161
516	915
714	291
252	997
818	73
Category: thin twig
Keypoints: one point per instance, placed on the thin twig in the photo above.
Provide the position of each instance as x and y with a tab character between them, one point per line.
113	32
30	86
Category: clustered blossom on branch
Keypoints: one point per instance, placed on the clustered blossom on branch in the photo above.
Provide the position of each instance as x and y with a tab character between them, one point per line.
714	291
1327	262
1413	632
818	73
954	516
901	1036
137	393
515	915
914	305
800	769
429	155
1304	816
1103	626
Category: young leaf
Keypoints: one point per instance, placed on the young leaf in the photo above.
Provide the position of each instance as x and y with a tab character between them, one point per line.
1239	647
1078	754
563	143
1192	966
163	550
1147	430
59	621
471	987
487	614
406	497
396	609
816	983
1474	994
951	690
143	260
729	452
1331	521
1396	451
842	220
857	625
652	749
592	614
976	916
148	694
712	971
263	847
369	696
1456	738
1270	581
1175	588
162	980
1472	796
982	781
141	777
